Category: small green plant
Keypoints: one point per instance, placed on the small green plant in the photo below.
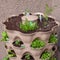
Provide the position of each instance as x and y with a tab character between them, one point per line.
53	39
17	42
28	26
48	11
46	55
11	53
27	56
4	36
37	43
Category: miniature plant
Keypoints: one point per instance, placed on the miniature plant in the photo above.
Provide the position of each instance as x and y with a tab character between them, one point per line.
46	55
11	53
53	39
28	26
37	43
17	42
48	11
27	56
4	36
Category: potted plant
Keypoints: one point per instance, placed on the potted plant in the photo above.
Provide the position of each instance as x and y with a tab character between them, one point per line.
53	39
37	43
27	56
18	43
28	26
46	55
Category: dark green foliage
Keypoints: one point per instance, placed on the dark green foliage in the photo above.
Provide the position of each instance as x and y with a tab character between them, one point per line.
4	36
53	39
37	43
27	56
28	26
48	11
11	53
46	55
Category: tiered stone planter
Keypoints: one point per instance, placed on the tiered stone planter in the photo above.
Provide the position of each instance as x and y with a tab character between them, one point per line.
27	40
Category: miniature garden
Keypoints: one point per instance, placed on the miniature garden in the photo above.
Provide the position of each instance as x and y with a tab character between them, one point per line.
36	36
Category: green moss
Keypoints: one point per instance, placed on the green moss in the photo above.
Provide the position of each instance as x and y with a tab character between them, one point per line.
28	26
37	43
4	36
53	39
46	55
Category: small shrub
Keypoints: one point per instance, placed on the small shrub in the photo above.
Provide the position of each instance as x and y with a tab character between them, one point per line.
37	43
53	39
28	26
4	36
46	55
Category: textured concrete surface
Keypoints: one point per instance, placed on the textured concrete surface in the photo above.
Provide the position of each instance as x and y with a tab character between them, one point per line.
14	7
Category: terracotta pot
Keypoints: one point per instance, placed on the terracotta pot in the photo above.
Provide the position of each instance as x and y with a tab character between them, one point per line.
27	39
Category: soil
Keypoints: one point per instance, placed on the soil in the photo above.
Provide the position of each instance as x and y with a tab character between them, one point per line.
19	45
13	24
6	46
